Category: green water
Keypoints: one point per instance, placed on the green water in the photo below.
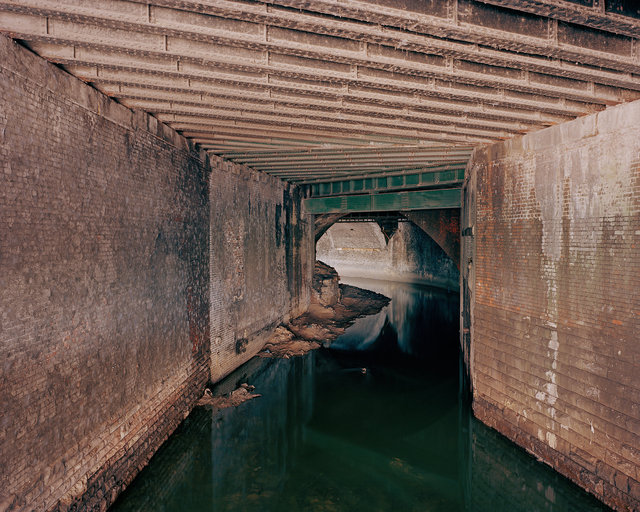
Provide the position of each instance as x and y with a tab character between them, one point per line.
329	436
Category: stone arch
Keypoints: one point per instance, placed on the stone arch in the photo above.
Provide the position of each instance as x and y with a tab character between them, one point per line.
324	222
443	226
361	249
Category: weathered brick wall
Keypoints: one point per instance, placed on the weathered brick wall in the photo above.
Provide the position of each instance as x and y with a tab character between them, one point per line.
262	257
104	307
555	353
359	249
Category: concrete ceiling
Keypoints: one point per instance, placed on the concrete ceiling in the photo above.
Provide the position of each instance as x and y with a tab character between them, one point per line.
320	90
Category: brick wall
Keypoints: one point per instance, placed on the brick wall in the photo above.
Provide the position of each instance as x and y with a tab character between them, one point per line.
262	258
553	278
103	287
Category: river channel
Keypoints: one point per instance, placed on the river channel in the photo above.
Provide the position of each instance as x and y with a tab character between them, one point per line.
375	422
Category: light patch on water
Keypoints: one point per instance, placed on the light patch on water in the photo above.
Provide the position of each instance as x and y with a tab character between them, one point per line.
550	494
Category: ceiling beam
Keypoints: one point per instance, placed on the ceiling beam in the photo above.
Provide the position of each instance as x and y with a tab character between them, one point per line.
382	115
240	98
109	68
103	69
324	89
481	24
421	42
256	50
593	17
345	124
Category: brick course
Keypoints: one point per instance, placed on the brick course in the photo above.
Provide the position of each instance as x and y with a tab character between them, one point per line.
553	273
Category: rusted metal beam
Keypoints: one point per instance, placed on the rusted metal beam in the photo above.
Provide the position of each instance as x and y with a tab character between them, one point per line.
433	169
392	201
344	172
387	183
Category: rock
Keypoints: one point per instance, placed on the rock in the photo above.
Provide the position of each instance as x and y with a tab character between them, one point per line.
238	396
333	308
326	288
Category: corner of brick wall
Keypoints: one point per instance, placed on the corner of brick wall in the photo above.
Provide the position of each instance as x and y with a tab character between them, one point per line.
104	287
261	260
554	295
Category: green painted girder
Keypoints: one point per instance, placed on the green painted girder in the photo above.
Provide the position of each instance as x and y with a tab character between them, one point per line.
405	180
390	201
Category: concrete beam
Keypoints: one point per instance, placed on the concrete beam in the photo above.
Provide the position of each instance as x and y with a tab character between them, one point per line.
178	27
235	76
601	16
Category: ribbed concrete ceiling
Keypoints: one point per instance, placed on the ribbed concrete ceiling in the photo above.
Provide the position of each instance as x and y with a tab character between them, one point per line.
326	89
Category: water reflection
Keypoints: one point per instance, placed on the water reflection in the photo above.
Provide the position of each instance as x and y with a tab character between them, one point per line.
424	320
328	436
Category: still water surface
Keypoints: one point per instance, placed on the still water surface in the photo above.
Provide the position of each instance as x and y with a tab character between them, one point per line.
375	423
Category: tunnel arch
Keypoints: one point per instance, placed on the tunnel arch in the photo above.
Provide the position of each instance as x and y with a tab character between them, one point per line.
441	225
407	253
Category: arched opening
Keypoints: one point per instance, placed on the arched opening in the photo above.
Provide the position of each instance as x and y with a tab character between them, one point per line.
392	255
390	248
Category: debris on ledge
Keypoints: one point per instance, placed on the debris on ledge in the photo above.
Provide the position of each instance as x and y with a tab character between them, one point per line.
333	308
238	396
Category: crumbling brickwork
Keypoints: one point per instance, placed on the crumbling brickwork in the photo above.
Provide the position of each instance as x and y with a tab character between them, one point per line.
556	320
104	346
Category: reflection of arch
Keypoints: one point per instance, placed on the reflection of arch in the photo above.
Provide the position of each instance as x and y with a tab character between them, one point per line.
442	225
